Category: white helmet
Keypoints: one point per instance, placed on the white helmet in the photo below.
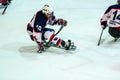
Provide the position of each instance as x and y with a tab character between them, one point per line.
47	9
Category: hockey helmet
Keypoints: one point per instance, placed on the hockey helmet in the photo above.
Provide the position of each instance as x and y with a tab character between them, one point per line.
47	10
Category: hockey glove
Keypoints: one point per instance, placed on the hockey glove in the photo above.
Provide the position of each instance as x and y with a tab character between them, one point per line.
40	47
4	2
104	24
62	22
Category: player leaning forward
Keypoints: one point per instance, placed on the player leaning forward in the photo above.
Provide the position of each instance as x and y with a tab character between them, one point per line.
38	32
112	18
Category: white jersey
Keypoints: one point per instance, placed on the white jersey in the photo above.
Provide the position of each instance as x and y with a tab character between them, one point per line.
112	16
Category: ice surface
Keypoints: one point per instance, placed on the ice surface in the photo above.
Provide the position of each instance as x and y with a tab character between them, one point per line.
18	57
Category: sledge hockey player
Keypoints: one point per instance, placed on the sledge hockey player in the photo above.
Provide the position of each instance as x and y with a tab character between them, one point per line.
38	32
111	18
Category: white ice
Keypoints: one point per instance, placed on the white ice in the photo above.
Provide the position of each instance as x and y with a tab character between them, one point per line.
18	57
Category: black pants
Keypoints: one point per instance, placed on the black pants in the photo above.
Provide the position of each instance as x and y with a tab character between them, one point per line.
114	32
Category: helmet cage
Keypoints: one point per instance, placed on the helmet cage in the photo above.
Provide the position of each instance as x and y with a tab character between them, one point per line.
47	10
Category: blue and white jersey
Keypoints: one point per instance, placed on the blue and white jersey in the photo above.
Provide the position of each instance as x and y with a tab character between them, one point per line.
38	23
112	16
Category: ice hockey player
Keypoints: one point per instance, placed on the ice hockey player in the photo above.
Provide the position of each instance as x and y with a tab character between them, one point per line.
111	18
38	31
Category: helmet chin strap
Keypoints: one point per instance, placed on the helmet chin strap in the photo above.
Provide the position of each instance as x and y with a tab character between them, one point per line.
48	14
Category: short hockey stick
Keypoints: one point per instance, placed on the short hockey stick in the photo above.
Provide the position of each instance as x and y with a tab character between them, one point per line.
100	37
48	43
59	30
4	10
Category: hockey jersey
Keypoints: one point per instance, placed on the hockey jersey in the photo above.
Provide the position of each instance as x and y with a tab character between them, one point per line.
38	23
112	16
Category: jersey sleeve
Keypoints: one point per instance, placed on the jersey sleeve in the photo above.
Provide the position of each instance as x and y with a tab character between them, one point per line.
106	15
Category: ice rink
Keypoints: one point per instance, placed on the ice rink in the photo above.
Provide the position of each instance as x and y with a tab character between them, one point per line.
20	61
